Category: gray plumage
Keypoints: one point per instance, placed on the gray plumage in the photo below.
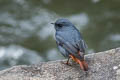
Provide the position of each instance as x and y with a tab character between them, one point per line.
69	39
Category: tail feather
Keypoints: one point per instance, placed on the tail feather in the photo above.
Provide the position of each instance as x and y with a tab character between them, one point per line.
83	64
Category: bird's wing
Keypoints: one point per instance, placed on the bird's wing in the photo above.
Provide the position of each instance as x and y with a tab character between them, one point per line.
68	46
63	51
81	45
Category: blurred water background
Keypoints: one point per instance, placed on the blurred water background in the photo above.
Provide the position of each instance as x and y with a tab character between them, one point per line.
27	37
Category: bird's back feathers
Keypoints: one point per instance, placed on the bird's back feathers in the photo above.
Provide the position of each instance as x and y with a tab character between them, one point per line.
71	40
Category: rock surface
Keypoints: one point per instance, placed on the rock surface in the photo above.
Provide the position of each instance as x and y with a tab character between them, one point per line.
102	66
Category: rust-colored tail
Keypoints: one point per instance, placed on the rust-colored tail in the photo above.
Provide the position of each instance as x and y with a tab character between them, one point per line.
83	64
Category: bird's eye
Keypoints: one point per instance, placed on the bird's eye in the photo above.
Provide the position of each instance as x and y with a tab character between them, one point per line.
59	25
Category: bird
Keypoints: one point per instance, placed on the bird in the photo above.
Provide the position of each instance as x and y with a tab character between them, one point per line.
70	42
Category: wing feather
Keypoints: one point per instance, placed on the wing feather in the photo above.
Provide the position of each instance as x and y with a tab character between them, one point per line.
68	46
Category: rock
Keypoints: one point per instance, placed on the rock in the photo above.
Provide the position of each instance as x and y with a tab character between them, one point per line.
102	66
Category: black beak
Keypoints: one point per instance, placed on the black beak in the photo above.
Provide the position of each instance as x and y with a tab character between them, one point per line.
53	23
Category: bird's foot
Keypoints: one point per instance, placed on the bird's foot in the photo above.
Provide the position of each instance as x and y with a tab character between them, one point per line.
66	63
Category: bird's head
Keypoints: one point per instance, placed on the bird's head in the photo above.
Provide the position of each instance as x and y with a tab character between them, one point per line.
61	24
